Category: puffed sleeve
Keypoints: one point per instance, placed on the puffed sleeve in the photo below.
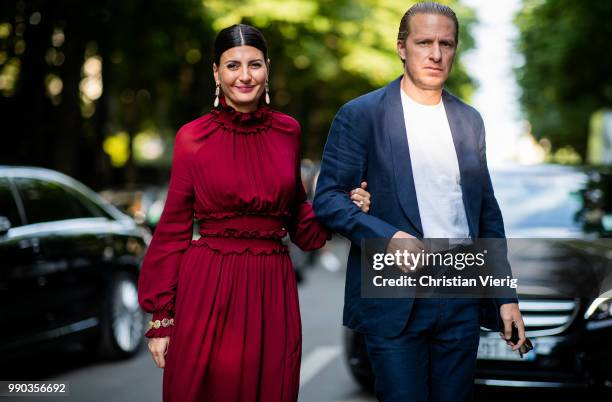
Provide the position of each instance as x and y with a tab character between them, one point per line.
304	228
158	278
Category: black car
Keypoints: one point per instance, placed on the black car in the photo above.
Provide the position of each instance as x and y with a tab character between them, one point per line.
69	264
564	215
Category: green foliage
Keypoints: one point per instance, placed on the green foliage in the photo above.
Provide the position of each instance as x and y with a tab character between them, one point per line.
152	71
151	76
155	71
324	53
566	75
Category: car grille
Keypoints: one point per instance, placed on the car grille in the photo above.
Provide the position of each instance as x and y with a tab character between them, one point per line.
547	316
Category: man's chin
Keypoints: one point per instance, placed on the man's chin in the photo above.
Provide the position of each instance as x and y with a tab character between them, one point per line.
432	85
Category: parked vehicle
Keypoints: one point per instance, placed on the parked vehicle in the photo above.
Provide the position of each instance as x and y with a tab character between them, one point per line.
70	264
144	205
571	334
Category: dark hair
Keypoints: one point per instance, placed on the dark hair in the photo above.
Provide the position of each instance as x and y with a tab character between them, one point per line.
239	35
426	7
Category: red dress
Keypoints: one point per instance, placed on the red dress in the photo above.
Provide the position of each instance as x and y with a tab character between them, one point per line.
232	293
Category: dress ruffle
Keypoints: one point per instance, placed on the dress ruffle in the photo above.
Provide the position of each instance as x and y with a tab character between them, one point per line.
227	120
233	214
161	332
255	234
244	233
252	246
236	122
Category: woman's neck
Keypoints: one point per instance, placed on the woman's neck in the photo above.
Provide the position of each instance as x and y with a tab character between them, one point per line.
242	108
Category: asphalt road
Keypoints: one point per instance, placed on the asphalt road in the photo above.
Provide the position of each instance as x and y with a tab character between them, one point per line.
324	376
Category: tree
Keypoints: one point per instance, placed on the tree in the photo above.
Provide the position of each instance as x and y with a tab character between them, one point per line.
71	73
325	53
566	72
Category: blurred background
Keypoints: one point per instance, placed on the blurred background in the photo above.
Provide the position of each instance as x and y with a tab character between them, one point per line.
95	90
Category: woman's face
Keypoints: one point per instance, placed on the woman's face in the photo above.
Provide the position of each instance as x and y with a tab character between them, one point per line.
242	73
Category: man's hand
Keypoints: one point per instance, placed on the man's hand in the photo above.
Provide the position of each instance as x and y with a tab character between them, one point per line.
402	241
510	314
158	348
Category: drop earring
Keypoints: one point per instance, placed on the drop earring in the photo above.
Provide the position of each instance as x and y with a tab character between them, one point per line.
217	92
267	94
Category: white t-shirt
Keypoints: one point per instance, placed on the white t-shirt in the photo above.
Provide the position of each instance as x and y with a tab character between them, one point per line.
435	170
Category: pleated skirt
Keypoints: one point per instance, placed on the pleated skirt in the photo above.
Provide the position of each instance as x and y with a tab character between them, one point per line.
237	335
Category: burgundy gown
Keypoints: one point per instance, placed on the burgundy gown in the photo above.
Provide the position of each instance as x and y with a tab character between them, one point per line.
232	293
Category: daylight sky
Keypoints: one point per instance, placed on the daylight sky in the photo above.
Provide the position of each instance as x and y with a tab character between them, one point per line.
491	63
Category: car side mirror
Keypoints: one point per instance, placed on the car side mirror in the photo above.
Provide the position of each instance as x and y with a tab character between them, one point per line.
5	225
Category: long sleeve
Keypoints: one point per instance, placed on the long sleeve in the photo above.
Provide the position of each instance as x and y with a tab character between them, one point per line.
491	220
342	169
305	230
159	272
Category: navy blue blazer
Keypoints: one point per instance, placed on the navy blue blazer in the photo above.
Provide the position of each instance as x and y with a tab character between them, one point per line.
367	141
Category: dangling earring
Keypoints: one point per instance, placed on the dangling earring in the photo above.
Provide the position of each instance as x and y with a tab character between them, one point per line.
267	94
217	92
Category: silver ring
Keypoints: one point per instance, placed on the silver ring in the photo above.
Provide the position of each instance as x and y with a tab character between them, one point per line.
361	203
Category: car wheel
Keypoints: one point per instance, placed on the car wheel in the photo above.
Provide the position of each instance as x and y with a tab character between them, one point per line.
122	321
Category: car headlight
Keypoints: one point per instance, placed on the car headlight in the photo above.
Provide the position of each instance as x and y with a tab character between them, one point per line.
600	309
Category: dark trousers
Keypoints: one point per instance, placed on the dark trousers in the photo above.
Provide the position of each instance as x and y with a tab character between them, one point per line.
434	358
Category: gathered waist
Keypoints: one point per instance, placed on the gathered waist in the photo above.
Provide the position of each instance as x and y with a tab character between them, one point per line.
256	234
244	226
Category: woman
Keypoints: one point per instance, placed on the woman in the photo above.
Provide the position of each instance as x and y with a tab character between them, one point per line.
226	321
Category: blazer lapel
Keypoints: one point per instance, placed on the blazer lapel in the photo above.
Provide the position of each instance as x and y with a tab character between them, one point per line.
467	159
395	127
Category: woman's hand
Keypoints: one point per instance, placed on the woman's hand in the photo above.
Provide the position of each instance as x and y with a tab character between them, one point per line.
361	197
158	348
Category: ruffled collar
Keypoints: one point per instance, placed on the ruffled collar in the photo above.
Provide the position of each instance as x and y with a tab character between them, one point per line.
239	122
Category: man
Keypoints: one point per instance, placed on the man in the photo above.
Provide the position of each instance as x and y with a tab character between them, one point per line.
422	152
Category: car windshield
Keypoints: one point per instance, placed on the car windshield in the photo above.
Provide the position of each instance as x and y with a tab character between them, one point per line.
545	202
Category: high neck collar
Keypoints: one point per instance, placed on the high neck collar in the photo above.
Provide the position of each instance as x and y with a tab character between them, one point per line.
256	116
241	122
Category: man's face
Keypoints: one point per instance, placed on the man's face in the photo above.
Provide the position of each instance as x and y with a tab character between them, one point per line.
429	50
